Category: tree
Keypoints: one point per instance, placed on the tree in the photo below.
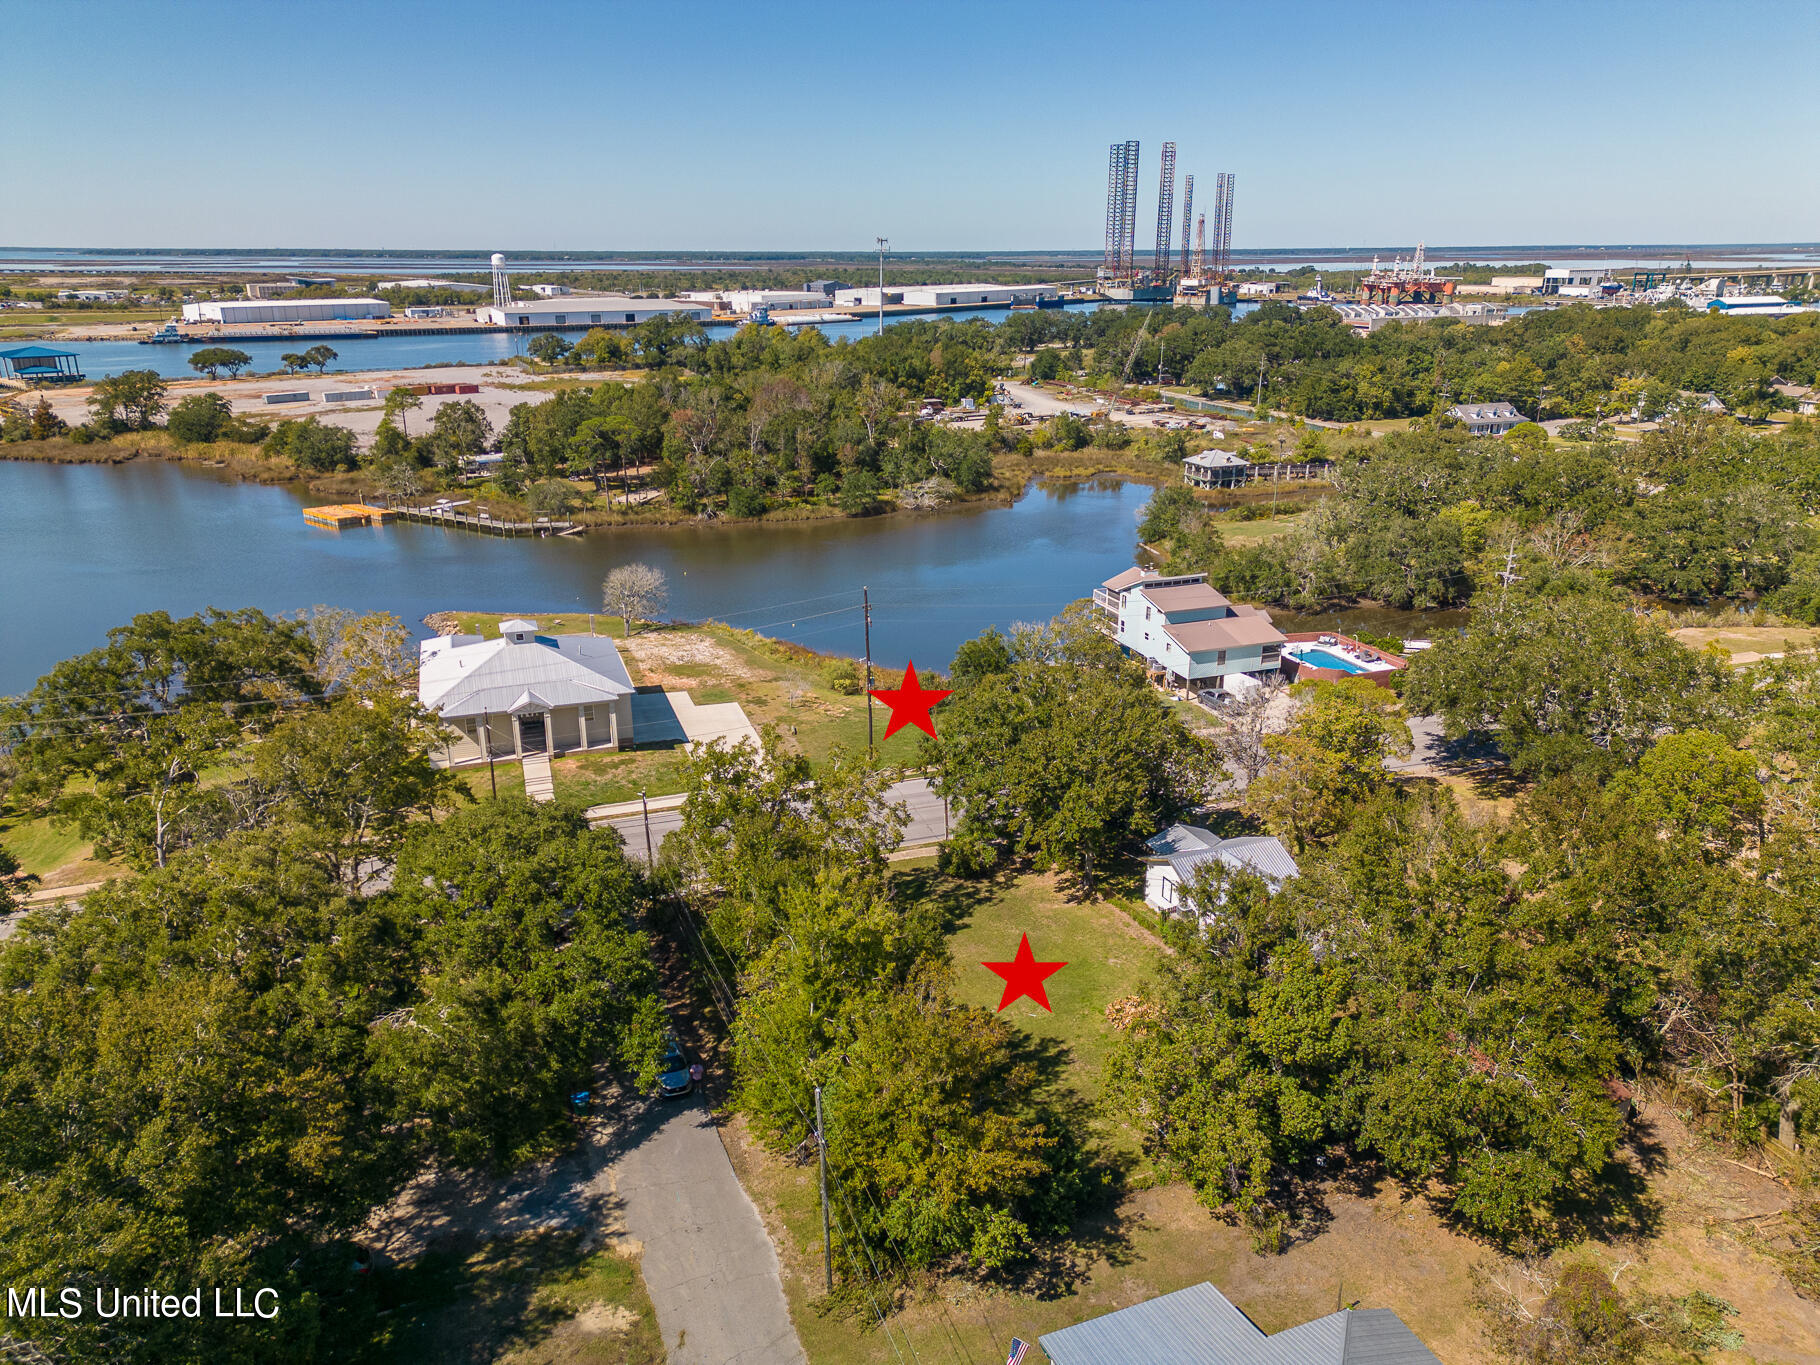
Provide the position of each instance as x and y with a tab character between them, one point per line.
399	403
1172	510
552	497
294	362
549	349
1698	790
1068	758
320	356
1046	365
462	431
859	493
46	424
118	741
314	444
211	360
530	978
634	592
135	397
1330	759
1570	684
199	417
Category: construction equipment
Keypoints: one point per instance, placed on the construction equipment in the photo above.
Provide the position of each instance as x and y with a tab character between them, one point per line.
1121	210
1187	220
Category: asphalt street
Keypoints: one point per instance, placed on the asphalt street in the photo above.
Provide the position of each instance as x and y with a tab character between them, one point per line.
928	823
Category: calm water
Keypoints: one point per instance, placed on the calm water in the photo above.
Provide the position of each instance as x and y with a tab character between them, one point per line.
85	547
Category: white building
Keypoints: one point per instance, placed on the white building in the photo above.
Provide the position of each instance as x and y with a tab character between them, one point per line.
948	295
1755	306
590	310
1182	852
1259	288
1579	282
433	284
550	291
1487	419
525	692
92	295
1368	317
1215	469
286	310
1188	632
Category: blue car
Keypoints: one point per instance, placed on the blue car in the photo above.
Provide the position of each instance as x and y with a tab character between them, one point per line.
673	1078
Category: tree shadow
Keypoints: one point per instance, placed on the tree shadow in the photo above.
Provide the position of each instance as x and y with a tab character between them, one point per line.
952	899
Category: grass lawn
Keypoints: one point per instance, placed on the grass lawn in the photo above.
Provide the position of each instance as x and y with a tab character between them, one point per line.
40	846
1752	640
1251	532
536	1300
1156	1238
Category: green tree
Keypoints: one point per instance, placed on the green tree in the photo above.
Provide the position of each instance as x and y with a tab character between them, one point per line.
211	360
133	398
531	977
320	356
121	741
199	417
549	349
400	402
462	431
1570	684
859	494
1068	759
1329	759
314	444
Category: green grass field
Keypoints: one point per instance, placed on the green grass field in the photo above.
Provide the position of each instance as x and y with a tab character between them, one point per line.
536	1300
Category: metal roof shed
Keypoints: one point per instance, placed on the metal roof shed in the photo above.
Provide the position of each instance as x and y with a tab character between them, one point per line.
40	365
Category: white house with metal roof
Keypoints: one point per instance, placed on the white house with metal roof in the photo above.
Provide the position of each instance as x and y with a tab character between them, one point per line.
1487	419
1201	1326
1182	852
1189	632
526	693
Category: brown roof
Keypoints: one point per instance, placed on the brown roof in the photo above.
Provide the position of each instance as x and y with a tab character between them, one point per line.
1234	632
1119	582
1246	609
1185	598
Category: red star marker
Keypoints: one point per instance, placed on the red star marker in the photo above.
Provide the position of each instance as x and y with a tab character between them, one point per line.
1024	975
910	704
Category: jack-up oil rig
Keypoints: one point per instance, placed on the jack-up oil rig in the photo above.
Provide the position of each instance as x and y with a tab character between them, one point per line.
1203	277
1412	281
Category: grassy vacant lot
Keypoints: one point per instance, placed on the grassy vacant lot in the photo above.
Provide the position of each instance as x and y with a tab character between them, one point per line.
1369	1243
1265	528
543	1299
1750	641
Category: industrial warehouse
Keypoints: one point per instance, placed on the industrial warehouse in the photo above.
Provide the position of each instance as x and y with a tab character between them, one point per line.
286	310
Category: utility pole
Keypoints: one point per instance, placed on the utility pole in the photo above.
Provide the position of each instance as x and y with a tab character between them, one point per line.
865	597
821	1149
884	245
650	857
486	728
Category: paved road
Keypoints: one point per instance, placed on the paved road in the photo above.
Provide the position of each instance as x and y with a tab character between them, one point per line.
927	824
708	1263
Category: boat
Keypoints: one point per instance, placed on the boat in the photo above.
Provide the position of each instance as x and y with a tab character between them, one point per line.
167	334
1317	294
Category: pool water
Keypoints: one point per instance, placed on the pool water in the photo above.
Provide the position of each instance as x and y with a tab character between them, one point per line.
1320	658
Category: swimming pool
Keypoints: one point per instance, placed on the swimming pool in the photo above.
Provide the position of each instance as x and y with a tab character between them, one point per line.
1320	658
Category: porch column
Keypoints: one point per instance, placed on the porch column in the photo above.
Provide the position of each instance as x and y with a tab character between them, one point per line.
613	723
581	719
549	733
518	740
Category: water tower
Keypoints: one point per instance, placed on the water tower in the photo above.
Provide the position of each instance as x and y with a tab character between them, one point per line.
502	283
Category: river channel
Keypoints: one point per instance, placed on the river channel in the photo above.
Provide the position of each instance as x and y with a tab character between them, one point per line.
85	547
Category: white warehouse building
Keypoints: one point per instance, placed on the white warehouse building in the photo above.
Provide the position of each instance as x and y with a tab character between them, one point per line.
286	310
589	310
950	295
745	300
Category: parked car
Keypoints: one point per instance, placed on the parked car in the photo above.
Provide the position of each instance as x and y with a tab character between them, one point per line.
673	1078
1213	696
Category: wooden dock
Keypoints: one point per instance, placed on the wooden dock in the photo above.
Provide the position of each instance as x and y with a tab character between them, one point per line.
335	516
485	525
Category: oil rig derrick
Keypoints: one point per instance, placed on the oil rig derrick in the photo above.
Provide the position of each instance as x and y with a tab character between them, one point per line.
1165	212
1187	220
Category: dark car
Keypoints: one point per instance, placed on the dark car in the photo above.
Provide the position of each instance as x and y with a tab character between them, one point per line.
673	1078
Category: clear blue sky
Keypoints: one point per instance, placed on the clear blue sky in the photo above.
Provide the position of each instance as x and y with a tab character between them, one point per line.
552	125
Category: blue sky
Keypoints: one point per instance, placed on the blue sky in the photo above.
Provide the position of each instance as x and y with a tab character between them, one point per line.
943	126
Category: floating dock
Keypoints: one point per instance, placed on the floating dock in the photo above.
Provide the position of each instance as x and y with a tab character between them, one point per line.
485	525
337	515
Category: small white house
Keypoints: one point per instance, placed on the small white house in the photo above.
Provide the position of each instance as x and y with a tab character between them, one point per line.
1487	419
1181	852
525	692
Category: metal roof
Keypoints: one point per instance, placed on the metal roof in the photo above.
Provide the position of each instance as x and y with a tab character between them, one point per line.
1218	459
1187	597
34	352
1229	632
497	677
1201	1326
1260	854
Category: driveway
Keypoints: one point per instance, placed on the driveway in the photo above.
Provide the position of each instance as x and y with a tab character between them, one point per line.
652	1178
708	1263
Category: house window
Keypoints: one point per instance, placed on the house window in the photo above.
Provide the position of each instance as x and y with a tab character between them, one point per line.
1220	658
561	318
587	713
1146	613
594	317
631	317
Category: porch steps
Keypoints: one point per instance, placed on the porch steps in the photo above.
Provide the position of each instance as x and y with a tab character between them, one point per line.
539	784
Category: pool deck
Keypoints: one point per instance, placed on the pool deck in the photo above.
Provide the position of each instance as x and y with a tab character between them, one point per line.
1376	665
